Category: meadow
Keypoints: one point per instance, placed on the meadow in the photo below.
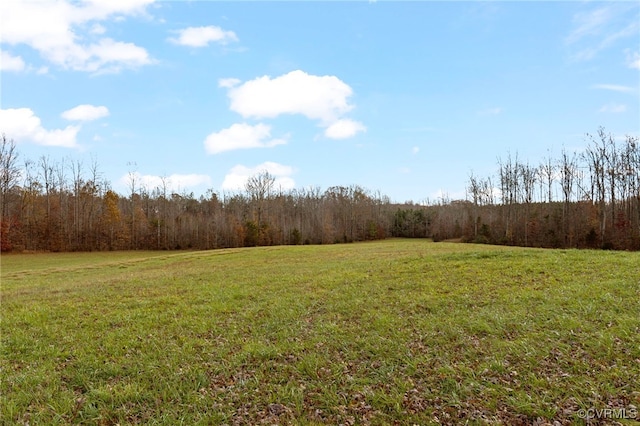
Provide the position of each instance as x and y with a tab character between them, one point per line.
388	332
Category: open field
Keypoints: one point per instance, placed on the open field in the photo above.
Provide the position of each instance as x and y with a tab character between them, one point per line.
390	332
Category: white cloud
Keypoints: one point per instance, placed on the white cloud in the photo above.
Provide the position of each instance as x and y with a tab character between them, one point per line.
174	182
343	129
21	124
322	98
11	63
415	150
57	31
633	59
614	87
202	36
598	29
241	136
98	29
588	23
613	108
112	56
228	82
85	113
98	9
237	177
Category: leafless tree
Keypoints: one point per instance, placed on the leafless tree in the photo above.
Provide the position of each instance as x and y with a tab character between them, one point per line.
9	177
548	170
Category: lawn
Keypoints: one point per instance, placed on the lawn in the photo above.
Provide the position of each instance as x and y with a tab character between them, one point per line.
389	332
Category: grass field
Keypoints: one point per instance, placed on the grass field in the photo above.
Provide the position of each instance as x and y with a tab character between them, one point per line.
390	332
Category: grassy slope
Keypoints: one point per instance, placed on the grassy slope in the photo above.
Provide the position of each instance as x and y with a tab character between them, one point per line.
403	331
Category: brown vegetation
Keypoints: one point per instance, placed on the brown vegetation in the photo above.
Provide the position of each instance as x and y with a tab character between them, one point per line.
590	200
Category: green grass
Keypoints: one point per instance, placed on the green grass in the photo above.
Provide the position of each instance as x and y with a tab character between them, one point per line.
397	331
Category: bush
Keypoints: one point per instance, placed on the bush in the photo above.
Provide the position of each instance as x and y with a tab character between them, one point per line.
296	237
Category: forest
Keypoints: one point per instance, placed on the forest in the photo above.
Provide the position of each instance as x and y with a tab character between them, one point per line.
587	199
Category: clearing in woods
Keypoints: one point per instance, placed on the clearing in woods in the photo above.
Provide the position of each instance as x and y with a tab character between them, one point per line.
395	331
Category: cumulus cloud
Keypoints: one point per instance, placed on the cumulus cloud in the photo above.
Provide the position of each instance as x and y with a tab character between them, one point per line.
613	108
59	32
11	63
237	177
112	56
21	124
322	98
174	182
202	36
85	113
241	136
343	129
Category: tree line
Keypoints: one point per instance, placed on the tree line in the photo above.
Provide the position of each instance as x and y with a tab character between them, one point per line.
587	199
66	206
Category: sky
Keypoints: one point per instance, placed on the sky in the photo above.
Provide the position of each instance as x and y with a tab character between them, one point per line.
404	98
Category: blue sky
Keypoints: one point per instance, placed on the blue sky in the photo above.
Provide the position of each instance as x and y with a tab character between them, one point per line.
405	98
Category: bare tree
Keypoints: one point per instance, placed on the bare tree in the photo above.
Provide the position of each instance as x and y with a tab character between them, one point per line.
475	189
63	208
529	176
259	188
9	173
548	170
133	183
567	168
509	187
76	172
9	176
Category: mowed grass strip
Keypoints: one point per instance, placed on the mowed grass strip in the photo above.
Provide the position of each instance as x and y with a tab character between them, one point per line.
397	331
